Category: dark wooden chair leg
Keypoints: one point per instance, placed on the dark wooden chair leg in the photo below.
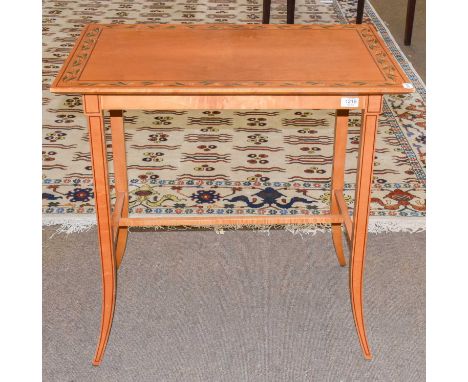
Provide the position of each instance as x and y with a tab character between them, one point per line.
410	9
360	11
266	11
290	12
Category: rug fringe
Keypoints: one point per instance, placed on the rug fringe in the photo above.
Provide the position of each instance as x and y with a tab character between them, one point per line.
70	224
377	224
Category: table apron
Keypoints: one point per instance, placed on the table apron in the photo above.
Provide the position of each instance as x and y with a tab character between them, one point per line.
188	102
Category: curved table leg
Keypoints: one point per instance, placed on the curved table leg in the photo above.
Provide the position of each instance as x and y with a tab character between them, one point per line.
361	215
120	176
339	155
102	198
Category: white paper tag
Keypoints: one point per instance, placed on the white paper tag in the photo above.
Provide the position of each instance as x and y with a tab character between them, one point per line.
349	102
408	85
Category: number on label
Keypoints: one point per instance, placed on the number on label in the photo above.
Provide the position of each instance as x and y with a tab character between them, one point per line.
349	102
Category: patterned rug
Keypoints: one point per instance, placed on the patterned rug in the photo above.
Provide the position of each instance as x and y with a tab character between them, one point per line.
226	161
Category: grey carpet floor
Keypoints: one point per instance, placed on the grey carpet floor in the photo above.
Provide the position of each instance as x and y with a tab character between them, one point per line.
243	306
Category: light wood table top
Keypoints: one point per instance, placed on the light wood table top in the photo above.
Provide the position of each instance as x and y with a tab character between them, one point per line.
230	59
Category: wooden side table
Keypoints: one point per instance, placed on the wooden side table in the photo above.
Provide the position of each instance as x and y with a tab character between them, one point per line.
120	67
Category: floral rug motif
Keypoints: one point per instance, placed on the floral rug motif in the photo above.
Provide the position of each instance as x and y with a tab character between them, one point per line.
225	161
